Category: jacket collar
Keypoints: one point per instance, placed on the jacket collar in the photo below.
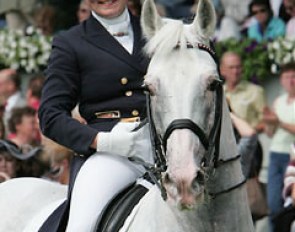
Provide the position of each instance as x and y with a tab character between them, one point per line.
97	35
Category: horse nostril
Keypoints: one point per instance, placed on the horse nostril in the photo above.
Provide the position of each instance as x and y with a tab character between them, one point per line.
167	179
200	178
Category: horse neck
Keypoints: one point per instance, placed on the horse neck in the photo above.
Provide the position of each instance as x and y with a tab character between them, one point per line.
154	214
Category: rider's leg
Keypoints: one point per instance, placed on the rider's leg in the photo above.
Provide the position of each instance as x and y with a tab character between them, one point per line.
101	177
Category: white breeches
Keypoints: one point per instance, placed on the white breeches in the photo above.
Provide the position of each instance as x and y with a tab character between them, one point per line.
101	177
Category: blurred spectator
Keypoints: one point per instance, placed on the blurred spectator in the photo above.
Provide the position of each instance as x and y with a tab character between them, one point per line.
2	22
267	26
176	9
34	90
226	26
279	10
83	11
247	142
10	84
246	99
275	6
9	165
14	163
280	125
284	221
18	14
290	9
22	125
35	165
237	10
135	7
16	20
45	19
60	159
2	129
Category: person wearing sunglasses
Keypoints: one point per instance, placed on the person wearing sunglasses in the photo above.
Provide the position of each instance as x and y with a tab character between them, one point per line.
266	27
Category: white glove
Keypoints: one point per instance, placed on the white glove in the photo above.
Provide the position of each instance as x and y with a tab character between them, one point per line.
121	140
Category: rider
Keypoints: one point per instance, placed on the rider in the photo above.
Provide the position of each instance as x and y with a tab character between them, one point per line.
99	65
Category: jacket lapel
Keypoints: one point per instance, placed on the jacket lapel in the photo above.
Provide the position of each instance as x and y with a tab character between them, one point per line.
98	36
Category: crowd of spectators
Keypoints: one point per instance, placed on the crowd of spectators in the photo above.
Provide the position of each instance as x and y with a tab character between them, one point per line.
25	152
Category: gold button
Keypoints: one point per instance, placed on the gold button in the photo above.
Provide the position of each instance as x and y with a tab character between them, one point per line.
135	113
128	93
124	80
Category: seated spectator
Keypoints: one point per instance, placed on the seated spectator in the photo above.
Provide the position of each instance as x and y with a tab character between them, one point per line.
83	11
176	9
18	14
9	164
10	89
14	163
45	20
34	90
246	99
2	129
60	158
237	10
134	7
16	20
267	27
23	126
227	27
280	125
279	10
284	220
247	142
290	9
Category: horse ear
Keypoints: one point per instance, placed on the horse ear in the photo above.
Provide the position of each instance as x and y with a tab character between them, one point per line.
205	20
151	21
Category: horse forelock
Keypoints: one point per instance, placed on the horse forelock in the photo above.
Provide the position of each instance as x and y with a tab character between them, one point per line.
173	34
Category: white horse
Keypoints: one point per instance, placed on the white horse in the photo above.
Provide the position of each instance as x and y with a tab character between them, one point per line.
182	77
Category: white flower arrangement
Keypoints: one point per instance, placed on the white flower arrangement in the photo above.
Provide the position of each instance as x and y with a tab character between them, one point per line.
280	51
26	51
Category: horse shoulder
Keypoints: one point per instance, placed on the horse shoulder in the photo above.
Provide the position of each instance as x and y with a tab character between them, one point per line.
151	214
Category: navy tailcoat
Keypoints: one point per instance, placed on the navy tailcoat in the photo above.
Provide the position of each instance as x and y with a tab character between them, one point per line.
90	67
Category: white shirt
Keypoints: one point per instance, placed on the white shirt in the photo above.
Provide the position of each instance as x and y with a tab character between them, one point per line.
120	24
16	100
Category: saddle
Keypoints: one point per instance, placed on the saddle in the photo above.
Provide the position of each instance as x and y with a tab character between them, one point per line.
119	209
114	215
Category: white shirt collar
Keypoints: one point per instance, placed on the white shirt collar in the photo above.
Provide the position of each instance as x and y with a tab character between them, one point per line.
115	25
119	25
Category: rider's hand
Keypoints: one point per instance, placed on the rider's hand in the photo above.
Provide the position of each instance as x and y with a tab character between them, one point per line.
122	140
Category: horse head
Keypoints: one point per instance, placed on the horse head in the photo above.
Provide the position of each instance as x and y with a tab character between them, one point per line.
181	78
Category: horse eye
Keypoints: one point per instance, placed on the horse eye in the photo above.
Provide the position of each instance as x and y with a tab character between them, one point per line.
213	85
